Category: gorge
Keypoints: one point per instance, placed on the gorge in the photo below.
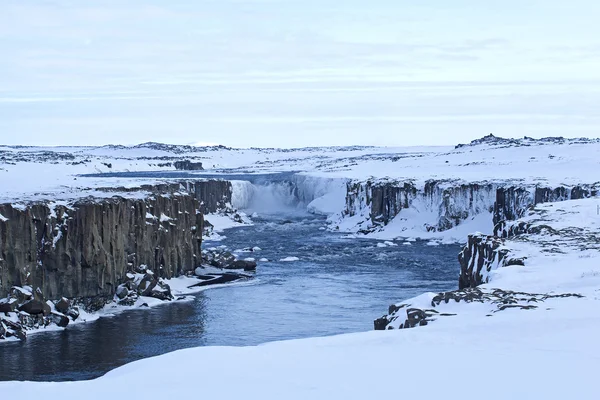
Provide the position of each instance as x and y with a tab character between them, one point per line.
339	239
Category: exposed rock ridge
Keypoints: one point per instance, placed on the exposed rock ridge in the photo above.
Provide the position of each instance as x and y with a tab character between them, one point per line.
493	140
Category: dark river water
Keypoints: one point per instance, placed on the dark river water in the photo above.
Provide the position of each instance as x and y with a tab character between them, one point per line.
339	285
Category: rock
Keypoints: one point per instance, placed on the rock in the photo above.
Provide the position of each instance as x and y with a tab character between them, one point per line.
33	307
381	324
162	291
59	319
63	305
20	294
8	305
220	279
243	264
73	313
122	292
100	236
187	165
146	285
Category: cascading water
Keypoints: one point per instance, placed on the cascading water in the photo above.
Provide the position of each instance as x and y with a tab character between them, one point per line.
285	193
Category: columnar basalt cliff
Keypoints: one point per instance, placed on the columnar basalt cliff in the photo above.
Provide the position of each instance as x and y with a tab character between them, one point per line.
86	249
214	194
450	203
512	201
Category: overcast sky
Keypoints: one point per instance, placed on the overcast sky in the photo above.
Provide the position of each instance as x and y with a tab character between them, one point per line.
297	72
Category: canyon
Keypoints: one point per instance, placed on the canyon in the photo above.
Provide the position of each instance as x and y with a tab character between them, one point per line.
109	221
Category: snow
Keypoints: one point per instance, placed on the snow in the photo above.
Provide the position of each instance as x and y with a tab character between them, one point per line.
30	177
222	222
518	355
289	259
164	218
550	352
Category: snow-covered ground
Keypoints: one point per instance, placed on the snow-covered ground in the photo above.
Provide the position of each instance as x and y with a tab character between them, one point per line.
31	172
516	355
546	348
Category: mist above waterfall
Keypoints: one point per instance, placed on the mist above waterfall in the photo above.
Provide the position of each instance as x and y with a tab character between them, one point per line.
287	193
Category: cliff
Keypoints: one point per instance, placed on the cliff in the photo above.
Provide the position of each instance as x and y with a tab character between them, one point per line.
442	205
85	249
562	238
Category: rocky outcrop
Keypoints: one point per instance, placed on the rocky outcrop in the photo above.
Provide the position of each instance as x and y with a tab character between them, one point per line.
187	165
224	259
479	257
492	140
513	201
404	316
86	249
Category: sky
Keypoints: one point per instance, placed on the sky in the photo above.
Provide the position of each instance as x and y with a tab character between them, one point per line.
292	73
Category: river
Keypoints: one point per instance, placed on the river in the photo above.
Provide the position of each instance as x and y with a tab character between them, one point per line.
339	285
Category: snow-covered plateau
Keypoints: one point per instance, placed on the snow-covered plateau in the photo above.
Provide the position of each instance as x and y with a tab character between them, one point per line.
523	322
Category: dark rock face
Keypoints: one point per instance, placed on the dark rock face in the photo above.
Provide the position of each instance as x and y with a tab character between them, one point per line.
385	200
187	165
86	250
214	195
481	254
512	202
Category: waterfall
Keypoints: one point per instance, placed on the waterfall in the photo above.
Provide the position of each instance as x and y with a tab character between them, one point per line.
287	193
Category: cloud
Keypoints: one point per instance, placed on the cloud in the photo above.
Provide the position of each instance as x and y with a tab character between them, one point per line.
320	71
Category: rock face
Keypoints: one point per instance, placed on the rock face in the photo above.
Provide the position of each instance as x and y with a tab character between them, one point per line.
447	204
382	201
214	195
87	248
512	202
479	257
187	165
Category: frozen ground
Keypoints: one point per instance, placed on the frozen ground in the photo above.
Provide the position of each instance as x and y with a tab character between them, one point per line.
546	352
29	173
517	355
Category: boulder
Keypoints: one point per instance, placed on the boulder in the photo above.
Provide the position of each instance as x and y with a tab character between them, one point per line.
122	292
63	305
146	285
73	313
8	305
33	307
20	294
242	264
59	319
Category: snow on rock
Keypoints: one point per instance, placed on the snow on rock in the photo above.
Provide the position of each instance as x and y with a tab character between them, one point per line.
289	259
545	261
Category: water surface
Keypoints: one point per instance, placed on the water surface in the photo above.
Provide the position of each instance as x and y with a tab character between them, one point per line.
340	285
